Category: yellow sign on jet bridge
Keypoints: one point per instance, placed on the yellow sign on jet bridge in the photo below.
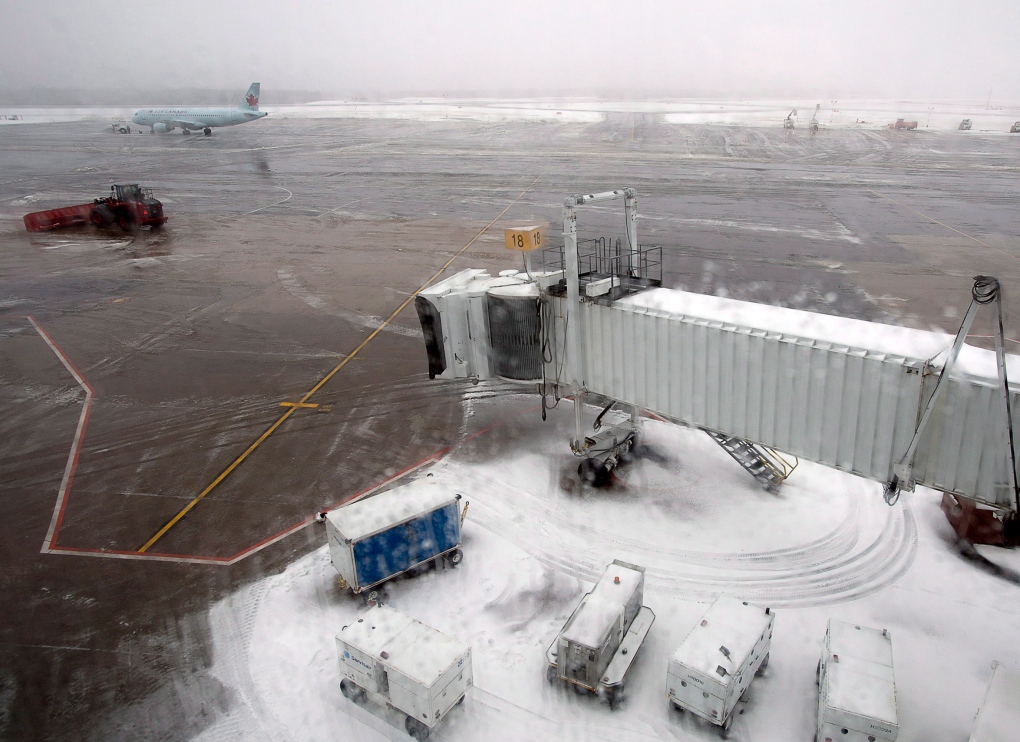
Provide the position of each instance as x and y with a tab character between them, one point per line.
525	239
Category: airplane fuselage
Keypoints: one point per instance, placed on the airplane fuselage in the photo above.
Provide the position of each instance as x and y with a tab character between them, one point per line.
195	118
204	118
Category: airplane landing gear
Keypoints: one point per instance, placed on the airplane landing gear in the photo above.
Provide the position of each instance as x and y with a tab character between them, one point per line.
207	131
185	131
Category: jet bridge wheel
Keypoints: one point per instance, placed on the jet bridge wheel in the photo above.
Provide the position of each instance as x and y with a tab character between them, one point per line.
415	728
207	131
593	472
764	663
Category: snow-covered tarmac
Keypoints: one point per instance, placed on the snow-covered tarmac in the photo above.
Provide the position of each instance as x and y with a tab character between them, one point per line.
939	115
535	541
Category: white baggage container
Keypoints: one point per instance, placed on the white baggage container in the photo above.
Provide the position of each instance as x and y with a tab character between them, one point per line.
998	720
598	643
406	664
856	685
714	666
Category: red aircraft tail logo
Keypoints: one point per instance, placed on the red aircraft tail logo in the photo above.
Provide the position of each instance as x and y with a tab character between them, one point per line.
251	100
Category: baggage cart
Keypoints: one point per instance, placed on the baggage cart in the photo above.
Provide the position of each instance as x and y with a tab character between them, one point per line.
856	685
380	537
713	667
597	645
404	664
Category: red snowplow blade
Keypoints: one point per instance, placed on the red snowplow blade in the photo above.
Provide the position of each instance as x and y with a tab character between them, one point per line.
69	216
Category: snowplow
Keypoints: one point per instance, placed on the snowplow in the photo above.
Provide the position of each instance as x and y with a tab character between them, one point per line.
127	206
901	124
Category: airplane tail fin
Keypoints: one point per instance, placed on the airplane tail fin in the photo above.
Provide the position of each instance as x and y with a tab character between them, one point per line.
251	99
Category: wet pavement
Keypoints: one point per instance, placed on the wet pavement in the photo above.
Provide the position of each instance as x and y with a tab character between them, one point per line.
288	242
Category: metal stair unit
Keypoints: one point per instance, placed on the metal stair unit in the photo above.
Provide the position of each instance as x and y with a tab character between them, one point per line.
762	463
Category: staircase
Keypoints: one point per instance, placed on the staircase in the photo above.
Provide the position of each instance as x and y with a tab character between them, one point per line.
764	464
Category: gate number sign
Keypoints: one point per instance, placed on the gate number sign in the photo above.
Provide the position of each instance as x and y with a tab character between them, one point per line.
525	239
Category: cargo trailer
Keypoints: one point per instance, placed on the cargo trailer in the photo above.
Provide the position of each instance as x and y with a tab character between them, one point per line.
856	685
713	667
380	537
597	645
405	664
998	719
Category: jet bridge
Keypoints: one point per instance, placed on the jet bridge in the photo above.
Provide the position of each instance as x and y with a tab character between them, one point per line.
892	404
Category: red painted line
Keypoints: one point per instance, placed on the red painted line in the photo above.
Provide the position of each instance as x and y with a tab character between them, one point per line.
118	554
364	493
50	545
79	434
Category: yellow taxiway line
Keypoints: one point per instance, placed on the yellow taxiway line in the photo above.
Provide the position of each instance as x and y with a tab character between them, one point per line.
302	402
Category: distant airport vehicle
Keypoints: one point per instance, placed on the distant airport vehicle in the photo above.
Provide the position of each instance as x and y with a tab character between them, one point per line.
162	120
119	127
127	206
901	124
1015	128
965	125
788	121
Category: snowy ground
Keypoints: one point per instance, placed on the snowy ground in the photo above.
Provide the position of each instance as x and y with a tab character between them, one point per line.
535	541
861	113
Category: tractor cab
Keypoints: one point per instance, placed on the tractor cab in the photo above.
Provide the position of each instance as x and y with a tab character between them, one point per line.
131	192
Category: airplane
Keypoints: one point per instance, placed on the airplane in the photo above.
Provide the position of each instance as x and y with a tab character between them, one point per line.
162	120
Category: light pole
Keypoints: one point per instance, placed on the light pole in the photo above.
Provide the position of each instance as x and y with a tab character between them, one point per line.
930	109
832	110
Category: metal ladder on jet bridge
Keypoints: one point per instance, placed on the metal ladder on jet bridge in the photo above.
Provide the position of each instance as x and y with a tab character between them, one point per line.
765	465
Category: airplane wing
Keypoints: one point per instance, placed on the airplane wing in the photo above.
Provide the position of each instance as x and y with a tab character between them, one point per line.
184	123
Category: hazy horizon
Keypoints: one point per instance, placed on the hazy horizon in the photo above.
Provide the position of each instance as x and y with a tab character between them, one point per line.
790	48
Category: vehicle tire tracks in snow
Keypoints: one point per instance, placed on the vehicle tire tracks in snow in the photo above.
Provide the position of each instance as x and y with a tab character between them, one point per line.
842	565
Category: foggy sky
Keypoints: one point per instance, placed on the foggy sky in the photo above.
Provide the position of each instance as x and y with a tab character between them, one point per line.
894	48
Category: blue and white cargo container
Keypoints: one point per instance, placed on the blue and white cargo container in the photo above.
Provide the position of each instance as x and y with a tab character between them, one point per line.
380	537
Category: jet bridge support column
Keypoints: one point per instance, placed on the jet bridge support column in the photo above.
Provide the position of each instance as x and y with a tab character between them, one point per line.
573	320
604	449
986	290
630	210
